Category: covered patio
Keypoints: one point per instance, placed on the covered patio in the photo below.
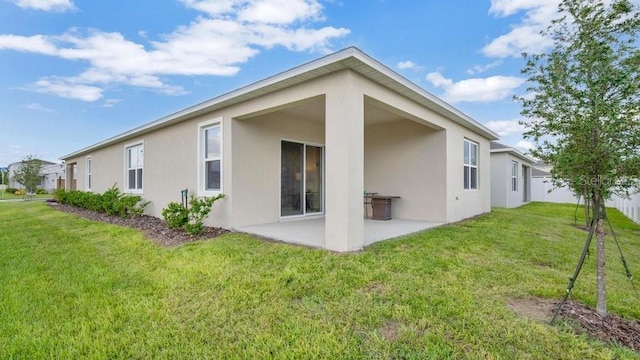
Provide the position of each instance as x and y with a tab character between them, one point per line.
311	231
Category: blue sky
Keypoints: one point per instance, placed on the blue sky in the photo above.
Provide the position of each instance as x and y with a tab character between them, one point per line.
75	72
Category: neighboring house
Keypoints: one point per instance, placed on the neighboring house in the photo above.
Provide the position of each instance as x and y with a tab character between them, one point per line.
52	175
305	144
510	176
50	171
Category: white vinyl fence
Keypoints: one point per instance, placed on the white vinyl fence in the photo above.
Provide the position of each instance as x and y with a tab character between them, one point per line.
629	206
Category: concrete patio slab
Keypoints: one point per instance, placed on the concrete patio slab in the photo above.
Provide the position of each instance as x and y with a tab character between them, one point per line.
310	232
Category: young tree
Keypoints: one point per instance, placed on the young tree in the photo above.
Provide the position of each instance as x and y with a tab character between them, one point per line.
582	108
29	173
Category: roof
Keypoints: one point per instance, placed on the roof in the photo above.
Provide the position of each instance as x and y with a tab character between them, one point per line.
496	147
350	58
535	172
44	162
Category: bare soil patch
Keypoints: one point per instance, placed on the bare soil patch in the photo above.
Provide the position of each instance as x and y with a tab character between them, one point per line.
154	228
390	330
583	319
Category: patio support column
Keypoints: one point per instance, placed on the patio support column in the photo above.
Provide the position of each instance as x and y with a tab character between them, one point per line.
344	139
68	177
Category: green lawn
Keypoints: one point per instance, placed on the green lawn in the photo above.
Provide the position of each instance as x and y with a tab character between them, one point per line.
6	196
71	288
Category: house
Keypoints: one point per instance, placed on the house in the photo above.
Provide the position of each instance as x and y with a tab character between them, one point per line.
510	176
301	147
52	176
50	172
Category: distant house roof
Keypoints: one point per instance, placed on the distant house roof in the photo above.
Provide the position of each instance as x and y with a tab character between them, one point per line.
350	58
44	162
496	147
535	172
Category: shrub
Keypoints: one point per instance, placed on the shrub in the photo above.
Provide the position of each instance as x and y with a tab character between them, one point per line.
191	218
112	201
199	208
60	195
130	206
19	192
175	215
41	191
11	190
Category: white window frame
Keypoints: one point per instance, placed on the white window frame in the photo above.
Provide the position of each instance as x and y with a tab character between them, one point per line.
472	145
202	127
126	168
88	170
514	176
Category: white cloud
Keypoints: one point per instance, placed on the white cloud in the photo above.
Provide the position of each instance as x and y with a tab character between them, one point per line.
475	90
510	7
477	69
67	89
409	65
524	36
38	107
216	43
280	11
109	103
46	5
38	44
523	145
505	127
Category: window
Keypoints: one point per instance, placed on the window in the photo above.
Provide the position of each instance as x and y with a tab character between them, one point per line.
470	165
88	184
301	179
210	167
514	176
134	165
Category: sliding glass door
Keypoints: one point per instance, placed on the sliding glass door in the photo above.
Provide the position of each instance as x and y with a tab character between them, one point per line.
301	179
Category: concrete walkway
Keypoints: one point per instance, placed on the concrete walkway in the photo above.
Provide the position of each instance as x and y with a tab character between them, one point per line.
310	232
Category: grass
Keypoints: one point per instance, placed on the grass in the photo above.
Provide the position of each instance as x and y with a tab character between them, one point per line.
72	288
7	196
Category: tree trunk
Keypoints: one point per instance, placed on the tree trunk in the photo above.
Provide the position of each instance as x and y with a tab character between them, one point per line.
587	213
601	289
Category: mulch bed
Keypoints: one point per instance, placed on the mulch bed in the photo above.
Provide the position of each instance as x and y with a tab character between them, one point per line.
154	228
612	328
583	319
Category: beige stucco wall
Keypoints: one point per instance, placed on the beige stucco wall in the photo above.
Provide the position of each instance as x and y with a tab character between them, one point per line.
501	193
256	155
460	203
423	151
466	203
500	173
407	159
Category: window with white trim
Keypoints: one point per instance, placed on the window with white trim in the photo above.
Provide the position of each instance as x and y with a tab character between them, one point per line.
514	176
88	171
134	167
470	165
210	174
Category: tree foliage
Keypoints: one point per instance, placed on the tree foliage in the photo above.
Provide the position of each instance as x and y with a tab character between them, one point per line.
28	174
582	109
